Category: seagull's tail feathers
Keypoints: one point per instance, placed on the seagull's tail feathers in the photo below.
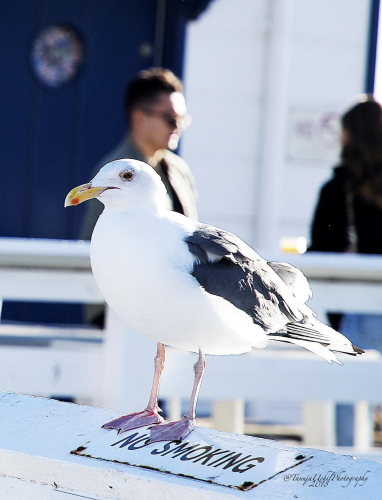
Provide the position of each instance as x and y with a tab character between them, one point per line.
314	347
318	338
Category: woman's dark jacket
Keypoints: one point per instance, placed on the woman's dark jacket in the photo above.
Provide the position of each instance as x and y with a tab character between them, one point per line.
330	224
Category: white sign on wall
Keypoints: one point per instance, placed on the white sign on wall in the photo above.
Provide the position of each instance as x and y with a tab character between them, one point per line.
314	135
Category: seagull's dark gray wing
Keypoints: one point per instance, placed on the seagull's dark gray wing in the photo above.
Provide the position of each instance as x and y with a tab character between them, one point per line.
225	266
270	293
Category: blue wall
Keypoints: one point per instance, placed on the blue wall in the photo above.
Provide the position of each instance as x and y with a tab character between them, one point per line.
53	137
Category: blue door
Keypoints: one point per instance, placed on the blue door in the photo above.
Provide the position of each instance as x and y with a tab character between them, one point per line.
63	68
55	128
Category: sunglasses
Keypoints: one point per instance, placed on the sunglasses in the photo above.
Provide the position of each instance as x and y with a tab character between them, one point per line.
180	122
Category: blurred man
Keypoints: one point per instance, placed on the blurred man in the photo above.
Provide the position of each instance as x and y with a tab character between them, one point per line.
156	114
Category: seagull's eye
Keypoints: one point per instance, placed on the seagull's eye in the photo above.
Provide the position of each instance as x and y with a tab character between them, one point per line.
127	176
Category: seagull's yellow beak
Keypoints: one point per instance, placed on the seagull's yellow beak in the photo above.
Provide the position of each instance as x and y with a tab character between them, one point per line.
82	193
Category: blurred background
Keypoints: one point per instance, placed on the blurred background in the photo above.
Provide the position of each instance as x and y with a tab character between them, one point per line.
265	81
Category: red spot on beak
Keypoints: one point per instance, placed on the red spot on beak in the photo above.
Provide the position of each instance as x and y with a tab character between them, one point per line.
75	201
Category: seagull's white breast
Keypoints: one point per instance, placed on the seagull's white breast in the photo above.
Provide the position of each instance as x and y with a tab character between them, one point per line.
142	266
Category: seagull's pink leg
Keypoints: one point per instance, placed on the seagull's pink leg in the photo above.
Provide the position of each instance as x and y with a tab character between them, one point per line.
177	431
150	415
199	369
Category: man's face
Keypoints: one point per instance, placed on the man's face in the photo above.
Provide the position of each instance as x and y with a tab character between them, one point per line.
162	122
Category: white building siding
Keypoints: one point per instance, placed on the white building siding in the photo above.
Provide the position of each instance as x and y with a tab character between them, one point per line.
226	88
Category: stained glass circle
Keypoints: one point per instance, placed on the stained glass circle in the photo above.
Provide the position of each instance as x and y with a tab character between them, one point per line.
57	55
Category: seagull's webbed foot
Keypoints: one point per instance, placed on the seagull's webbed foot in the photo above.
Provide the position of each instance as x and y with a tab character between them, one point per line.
134	420
172	431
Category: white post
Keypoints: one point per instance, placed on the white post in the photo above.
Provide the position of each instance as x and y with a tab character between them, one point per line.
174	411
273	148
319	423
363	426
228	415
128	367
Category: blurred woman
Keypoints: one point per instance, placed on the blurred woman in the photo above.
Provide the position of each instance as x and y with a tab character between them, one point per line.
348	218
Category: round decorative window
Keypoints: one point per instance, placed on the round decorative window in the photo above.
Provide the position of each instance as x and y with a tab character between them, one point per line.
57	55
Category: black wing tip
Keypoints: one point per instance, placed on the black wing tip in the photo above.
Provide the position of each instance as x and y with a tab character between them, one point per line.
357	350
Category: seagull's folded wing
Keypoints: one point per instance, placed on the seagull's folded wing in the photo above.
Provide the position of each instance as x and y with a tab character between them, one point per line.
228	267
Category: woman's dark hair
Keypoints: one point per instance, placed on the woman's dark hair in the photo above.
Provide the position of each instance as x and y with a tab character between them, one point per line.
362	149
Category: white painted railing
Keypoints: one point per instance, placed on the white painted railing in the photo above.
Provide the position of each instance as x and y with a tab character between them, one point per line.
38	435
113	368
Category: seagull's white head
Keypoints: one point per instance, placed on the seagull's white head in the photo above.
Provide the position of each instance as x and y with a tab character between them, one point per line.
123	185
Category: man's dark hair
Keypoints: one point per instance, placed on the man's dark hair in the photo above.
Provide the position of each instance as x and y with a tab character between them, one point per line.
145	86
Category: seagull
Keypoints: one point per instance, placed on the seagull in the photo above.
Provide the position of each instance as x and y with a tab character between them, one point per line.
190	285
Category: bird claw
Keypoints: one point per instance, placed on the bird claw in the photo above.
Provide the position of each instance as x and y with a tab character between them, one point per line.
134	420
172	431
